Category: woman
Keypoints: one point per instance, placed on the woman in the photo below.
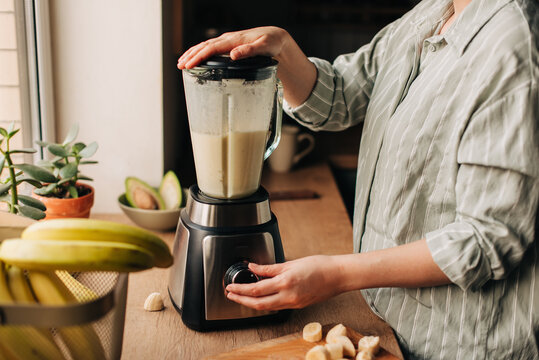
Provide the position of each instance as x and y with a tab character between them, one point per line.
448	175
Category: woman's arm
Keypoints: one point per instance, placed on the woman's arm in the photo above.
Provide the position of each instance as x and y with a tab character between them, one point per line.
298	283
295	71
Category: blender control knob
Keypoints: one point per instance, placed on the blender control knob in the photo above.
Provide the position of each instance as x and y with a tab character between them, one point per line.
239	273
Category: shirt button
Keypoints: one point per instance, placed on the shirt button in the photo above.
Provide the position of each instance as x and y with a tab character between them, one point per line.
432	48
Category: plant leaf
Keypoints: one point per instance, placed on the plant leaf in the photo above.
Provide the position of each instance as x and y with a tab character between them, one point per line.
25	151
4	188
71	134
73	191
57	150
46	190
3	132
42	143
2	161
30	201
31	212
58	164
30	181
11	127
78	147
63	181
89	150
36	172
12	133
87	162
44	163
84	177
69	171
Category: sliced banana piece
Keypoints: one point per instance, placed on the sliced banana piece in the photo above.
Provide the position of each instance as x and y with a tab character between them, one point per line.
319	352
335	350
154	302
312	332
348	348
337	330
364	355
369	344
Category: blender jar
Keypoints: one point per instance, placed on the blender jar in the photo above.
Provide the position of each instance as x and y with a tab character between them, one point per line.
234	110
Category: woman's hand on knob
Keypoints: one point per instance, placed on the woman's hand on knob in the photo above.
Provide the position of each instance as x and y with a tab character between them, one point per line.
267	40
293	284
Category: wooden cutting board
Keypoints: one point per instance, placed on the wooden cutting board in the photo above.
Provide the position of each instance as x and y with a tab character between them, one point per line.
290	347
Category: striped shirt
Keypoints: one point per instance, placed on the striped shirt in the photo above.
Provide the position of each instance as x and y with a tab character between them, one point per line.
449	153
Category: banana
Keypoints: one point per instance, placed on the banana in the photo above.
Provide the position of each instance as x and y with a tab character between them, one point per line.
369	344
100	230
319	352
364	355
74	255
348	348
19	287
24	342
312	332
337	330
335	350
82	341
80	291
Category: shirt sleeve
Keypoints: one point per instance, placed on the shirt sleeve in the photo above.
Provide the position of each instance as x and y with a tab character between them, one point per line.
342	90
497	191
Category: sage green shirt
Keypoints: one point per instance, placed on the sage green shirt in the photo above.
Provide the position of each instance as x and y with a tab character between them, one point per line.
449	152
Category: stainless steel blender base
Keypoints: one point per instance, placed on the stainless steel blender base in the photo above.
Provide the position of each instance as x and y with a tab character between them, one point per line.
204	254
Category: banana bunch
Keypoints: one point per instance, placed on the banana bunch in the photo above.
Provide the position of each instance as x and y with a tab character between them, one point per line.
49	288
85	245
48	251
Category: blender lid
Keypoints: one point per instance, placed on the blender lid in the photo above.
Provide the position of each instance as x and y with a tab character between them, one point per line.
250	63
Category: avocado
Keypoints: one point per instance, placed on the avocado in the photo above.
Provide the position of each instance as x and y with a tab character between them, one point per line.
171	191
141	195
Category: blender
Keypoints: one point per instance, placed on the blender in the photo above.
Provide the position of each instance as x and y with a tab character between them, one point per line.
234	110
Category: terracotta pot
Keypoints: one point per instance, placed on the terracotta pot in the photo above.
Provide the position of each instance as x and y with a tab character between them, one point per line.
68	208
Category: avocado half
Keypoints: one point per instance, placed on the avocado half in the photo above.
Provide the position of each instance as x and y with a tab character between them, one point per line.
141	195
171	191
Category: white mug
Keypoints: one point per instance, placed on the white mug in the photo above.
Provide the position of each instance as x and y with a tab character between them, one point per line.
285	156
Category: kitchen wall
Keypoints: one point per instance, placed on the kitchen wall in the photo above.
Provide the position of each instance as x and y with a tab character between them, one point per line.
107	63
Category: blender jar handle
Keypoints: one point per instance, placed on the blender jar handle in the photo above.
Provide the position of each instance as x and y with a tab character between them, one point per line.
275	126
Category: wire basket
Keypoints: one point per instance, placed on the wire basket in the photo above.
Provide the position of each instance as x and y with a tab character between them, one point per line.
103	316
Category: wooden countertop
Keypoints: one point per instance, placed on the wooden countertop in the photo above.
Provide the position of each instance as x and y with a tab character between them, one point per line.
308	227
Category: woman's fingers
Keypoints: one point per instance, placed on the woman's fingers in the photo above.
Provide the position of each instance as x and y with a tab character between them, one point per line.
272	302
260	288
267	270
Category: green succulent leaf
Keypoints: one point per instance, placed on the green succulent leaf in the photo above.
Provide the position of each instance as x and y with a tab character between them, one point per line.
12	133
73	191
72	134
58	164
3	132
84	177
31	212
58	150
42	143
2	161
45	163
78	147
24	151
5	198
69	171
88	162
89	150
37	173
30	201
30	181
4	188
63	181
46	190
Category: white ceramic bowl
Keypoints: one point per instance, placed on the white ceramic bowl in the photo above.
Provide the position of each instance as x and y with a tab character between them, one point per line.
159	220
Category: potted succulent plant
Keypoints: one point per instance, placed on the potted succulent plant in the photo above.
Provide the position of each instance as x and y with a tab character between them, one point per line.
63	194
17	203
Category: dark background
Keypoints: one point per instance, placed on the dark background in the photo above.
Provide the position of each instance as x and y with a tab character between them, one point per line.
323	29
